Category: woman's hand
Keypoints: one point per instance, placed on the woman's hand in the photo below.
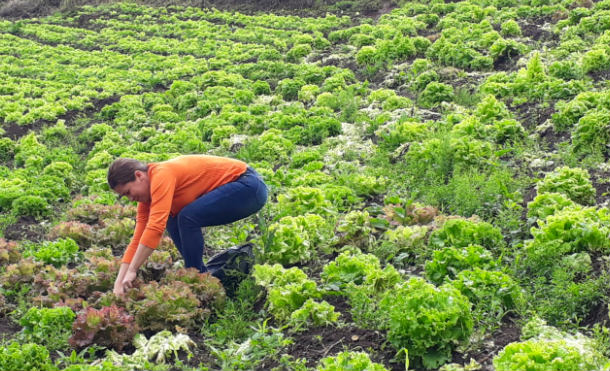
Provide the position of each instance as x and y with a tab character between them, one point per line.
130	276
119	290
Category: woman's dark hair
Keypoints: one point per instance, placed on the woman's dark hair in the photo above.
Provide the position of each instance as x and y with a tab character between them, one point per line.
122	171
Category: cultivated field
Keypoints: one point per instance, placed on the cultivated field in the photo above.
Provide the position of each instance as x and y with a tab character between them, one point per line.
439	187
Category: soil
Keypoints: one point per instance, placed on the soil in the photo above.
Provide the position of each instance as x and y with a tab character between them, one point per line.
601	183
531	115
318	343
8	328
508	332
26	228
534	32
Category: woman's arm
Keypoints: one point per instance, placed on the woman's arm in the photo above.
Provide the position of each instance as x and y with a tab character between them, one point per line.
140	257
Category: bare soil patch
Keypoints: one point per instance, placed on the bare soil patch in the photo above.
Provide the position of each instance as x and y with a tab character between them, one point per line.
8	328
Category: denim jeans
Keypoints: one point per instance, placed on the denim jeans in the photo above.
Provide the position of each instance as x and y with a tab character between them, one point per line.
226	204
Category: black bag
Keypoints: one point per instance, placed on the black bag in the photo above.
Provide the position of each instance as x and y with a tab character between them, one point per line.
232	266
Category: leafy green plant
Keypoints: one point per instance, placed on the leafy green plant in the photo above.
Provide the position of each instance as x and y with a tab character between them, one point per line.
354	229
448	262
547	348
50	327
29	356
427	320
289	88
207	288
164	306
303	200
464	232
57	253
573	182
402	245
265	343
32	205
111	327
360	277
158	349
545	355
287	289
435	93
296	239
313	314
547	204
591	136
352	269
570	230
511	28
595	60
356	361
493	294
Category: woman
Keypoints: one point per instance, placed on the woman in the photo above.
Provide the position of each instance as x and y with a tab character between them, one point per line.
182	195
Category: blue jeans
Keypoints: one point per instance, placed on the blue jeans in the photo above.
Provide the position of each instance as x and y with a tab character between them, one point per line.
226	204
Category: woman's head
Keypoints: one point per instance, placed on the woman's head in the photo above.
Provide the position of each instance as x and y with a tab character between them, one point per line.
129	178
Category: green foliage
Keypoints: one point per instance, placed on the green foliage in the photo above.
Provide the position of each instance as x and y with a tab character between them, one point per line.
465	232
308	93
562	281
427	320
269	146
595	60
546	348
29	356
296	239
236	319
402	132
493	294
303	200
354	229
287	289
48	327
352	270
356	361
546	204
57	253
158	349
360	277
402	245
572	182
7	149
544	355
31	205
511	28
298	52
435	93
591	136
567	231
265	343
313	314
569	113
289	88
447	263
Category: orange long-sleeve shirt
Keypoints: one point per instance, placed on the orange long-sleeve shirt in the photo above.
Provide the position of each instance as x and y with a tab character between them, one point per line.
173	185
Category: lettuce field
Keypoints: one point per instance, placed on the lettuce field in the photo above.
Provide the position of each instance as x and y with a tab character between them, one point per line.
438	175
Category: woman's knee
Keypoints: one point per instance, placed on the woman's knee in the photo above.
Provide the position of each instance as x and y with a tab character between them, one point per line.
186	220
